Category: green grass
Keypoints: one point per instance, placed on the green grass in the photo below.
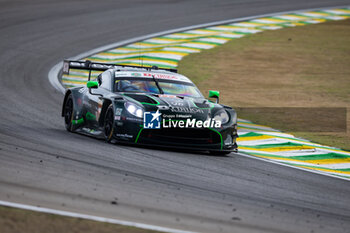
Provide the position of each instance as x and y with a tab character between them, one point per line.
306	66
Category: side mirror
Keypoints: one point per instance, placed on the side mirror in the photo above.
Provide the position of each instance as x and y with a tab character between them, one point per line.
214	94
92	84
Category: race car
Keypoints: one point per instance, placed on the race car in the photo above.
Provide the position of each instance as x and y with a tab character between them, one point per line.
148	106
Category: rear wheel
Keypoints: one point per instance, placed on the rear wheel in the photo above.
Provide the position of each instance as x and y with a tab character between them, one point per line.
68	113
109	123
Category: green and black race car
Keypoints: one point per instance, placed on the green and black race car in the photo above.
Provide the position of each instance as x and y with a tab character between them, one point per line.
148	106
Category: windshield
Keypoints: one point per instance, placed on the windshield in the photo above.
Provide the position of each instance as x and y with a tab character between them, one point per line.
149	86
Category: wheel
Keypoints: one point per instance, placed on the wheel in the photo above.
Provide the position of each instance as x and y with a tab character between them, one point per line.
109	123
219	153
68	113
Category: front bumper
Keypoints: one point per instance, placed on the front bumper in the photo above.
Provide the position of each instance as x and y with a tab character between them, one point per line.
180	138
129	129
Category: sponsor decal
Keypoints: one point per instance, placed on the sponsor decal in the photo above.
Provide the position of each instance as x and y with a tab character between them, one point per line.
118	111
149	75
186	110
133	119
161	76
191	123
167	96
163	107
125	135
136	74
82	90
155	120
151	120
119	74
66	67
177	116
79	101
180	104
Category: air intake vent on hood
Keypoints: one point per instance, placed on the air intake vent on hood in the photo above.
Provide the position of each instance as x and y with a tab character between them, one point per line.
142	98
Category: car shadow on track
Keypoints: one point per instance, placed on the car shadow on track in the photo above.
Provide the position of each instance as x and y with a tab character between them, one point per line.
151	147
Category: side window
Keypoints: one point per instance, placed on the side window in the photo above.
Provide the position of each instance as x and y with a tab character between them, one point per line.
105	80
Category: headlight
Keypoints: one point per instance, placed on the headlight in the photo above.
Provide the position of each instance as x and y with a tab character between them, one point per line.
221	116
134	109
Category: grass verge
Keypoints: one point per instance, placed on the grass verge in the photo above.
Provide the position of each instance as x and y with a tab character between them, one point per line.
304	67
18	220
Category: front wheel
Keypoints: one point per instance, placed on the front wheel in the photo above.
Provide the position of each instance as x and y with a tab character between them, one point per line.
68	113
109	123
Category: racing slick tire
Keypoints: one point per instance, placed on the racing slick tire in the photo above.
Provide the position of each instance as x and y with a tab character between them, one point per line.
68	113
109	123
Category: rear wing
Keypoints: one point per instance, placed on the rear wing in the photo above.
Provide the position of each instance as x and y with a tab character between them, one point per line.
90	66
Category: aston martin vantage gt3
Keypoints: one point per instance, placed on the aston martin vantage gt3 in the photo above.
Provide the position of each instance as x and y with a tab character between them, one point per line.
148	106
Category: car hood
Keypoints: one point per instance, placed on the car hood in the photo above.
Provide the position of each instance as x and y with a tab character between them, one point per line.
175	106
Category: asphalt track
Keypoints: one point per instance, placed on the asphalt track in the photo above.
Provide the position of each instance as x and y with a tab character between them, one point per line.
42	164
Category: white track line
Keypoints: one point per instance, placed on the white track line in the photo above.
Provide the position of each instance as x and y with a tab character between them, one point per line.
91	217
53	77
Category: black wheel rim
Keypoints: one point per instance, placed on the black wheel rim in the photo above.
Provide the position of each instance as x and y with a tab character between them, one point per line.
68	111
108	123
